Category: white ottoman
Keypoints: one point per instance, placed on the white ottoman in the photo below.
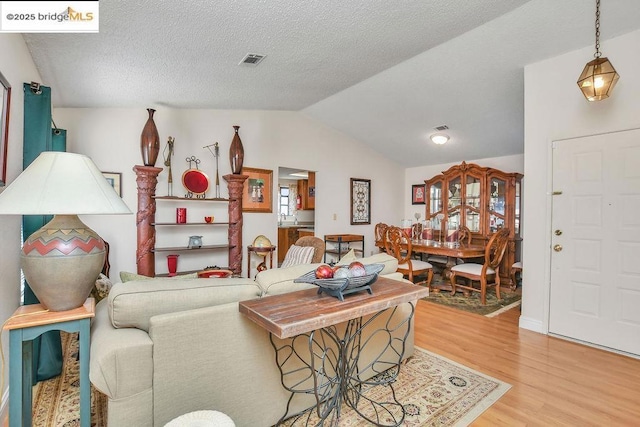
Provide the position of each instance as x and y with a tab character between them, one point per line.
202	419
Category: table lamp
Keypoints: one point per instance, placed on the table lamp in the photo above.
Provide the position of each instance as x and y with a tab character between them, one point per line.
62	260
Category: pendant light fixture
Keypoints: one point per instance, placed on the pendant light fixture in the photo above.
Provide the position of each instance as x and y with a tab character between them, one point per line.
598	77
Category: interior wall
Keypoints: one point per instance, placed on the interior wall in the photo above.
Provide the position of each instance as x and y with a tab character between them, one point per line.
556	109
17	67
271	139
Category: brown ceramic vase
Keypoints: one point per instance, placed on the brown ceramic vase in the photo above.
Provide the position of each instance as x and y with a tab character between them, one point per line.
150	141
236	153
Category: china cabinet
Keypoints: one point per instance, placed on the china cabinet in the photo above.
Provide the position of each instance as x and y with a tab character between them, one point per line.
483	199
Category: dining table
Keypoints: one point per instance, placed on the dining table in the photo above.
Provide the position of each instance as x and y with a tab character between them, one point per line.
452	250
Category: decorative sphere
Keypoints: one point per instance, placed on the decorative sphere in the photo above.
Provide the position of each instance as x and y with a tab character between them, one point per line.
261	242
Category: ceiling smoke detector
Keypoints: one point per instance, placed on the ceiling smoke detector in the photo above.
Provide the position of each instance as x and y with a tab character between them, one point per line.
252	59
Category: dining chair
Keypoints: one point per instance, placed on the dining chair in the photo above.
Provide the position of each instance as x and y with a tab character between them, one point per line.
380	232
486	274
515	269
398	244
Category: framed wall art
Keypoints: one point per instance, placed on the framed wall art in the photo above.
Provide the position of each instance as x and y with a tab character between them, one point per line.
115	179
417	194
258	190
360	201
5	101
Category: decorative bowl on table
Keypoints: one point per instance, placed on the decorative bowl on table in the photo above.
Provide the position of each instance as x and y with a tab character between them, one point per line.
338	287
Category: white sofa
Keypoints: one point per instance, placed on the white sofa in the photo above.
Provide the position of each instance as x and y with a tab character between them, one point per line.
164	347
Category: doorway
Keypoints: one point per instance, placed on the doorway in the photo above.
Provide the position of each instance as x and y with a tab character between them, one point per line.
595	273
295	206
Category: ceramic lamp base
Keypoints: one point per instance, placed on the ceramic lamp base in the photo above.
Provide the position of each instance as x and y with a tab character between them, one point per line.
61	262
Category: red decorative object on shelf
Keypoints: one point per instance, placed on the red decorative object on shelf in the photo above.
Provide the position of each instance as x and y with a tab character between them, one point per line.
172	264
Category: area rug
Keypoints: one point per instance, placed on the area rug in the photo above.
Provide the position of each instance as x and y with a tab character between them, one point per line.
56	402
433	390
509	299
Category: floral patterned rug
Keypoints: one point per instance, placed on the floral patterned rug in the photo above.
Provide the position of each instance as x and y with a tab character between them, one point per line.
56	401
434	391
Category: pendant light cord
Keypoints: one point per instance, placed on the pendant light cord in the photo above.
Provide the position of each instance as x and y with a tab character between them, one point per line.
597	54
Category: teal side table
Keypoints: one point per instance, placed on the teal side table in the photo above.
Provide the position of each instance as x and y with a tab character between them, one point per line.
27	323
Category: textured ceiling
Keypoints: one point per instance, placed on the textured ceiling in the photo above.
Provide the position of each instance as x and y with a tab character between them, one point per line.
382	72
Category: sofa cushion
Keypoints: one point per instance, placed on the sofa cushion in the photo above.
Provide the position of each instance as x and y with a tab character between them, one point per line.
298	255
132	304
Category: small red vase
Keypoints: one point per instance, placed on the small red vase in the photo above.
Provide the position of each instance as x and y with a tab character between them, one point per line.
172	264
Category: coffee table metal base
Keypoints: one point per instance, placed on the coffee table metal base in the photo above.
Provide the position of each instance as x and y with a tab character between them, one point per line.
332	372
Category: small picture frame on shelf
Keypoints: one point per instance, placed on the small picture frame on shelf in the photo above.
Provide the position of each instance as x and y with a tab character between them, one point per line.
360	201
115	180
418	194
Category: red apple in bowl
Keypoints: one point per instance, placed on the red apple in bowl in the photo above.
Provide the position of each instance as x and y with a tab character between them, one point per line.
324	272
357	269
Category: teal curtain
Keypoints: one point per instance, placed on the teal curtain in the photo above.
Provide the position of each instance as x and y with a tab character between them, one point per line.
39	137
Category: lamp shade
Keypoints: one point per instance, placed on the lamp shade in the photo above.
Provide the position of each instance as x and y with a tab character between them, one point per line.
62	260
61	183
598	79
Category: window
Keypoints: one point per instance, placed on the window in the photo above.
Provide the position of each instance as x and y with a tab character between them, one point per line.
284	201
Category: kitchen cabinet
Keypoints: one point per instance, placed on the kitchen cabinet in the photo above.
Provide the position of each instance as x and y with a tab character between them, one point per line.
287	236
304	191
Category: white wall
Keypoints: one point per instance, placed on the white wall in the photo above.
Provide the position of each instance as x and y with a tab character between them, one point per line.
556	109
111	137
419	174
17	67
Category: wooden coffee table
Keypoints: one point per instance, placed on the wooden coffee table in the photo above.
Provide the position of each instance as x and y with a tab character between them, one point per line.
333	353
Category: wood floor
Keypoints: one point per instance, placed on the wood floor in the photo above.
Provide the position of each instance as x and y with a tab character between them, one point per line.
553	382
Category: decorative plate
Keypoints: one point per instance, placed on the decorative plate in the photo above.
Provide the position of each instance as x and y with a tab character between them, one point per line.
195	181
343	286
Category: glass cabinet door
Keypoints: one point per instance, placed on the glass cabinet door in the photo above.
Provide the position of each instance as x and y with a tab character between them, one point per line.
435	199
472	203
497	204
516	226
454	201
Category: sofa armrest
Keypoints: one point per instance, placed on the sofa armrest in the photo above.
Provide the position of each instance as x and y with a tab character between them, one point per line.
121	362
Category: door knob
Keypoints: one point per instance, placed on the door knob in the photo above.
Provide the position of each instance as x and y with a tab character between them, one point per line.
557	248
558	232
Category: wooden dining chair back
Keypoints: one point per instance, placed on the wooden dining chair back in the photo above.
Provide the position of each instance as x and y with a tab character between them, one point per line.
487	274
380	233
398	244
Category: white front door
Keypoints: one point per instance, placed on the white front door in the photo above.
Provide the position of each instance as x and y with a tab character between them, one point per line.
595	256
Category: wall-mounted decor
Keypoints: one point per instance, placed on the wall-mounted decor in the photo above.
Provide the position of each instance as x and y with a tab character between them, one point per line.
258	190
5	101
360	201
115	179
417	194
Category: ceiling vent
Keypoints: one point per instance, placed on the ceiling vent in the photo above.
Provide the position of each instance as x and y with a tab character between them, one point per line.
441	128
252	59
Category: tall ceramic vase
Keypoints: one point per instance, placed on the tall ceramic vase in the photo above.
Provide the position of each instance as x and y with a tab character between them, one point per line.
150	141
236	153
